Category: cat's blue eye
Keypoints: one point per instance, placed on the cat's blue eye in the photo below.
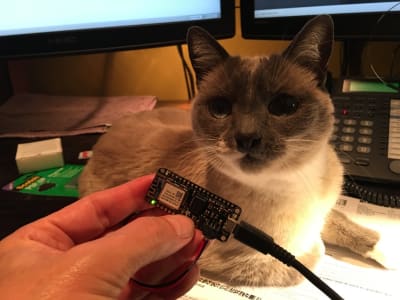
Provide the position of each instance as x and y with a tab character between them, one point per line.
220	108
283	104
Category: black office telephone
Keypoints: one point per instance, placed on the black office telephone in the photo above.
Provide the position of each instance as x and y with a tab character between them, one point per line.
367	139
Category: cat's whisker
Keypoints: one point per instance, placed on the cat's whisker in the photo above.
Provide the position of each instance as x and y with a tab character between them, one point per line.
309	185
295	149
208	151
301	140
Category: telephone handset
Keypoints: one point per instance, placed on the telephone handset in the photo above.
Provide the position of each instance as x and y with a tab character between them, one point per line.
367	139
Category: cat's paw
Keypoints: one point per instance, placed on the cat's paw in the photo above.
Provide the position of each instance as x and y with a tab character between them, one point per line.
386	252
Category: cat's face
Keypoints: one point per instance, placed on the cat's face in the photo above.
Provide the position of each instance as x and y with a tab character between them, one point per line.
257	113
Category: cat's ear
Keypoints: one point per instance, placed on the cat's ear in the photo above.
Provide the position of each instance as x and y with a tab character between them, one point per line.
312	46
204	51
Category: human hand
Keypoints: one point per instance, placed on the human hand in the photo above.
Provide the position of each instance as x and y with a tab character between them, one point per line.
82	251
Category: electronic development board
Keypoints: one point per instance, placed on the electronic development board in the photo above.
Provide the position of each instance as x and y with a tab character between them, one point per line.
213	215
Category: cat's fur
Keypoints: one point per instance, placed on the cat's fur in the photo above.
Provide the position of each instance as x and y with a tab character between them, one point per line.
278	167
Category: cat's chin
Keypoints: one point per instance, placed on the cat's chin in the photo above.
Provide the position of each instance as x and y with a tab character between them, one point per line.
251	164
247	163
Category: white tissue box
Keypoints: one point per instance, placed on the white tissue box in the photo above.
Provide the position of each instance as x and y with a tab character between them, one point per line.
40	155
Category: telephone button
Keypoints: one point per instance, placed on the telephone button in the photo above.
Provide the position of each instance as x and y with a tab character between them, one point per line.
347	138
345	160
394	166
366	131
363	149
346	147
362	162
365	140
367	123
349	122
348	130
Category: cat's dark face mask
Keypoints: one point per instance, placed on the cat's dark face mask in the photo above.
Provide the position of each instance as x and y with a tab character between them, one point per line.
255	112
252	118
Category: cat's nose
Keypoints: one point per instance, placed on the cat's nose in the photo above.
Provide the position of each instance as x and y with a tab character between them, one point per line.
247	142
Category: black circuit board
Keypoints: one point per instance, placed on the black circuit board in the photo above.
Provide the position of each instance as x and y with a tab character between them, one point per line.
213	215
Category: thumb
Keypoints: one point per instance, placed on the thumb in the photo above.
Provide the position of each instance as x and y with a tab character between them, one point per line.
141	242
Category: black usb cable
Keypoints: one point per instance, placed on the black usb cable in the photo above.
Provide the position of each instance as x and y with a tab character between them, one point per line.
262	242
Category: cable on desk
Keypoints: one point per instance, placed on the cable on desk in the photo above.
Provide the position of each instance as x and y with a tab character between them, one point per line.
262	242
189	78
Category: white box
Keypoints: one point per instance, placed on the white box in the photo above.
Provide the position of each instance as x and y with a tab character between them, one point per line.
39	155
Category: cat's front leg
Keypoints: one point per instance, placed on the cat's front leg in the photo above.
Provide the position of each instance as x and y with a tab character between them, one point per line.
341	231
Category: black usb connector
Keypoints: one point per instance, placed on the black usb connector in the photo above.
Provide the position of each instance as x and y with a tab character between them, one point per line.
262	242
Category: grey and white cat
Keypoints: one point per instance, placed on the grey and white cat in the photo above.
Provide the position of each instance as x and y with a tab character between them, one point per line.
258	134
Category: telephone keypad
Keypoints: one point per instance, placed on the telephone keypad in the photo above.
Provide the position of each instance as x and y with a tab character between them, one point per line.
353	135
354	128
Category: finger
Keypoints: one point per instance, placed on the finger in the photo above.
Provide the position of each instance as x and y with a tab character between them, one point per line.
173	267
93	215
123	252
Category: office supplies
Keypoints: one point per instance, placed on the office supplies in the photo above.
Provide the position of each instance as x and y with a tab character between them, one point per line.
39	155
62	181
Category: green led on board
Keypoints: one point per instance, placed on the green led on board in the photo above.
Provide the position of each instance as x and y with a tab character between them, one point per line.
153	201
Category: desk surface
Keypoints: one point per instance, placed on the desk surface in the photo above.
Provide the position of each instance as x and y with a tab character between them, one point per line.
17	209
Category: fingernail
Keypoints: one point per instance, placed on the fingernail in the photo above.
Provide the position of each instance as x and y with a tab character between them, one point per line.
183	226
